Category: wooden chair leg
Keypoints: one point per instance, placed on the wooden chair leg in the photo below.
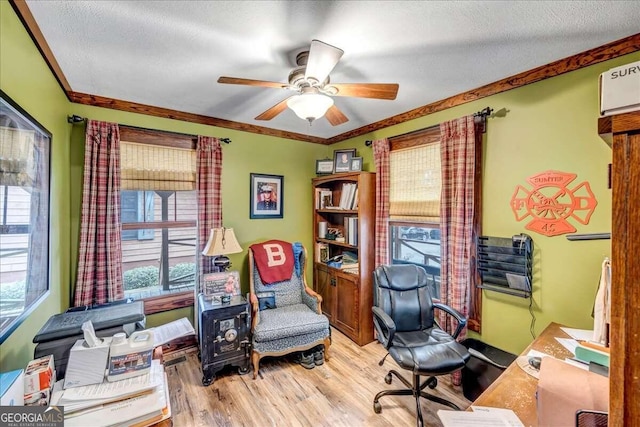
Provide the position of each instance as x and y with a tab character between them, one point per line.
327	343
255	358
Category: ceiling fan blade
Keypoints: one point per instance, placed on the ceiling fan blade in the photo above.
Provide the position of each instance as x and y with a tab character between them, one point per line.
367	90
249	82
274	111
335	116
322	59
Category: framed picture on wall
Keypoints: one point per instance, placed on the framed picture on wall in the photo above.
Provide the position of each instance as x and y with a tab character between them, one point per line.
266	196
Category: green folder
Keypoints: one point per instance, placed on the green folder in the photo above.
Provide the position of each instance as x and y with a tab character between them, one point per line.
587	355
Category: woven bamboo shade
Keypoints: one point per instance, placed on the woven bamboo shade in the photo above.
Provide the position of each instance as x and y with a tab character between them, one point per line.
155	167
16	156
415	184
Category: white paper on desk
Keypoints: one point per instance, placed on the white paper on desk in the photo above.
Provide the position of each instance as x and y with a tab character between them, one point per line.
473	419
169	331
579	334
536	353
568	343
507	414
87	395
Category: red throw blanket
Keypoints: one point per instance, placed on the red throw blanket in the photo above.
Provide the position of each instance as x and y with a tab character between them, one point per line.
274	260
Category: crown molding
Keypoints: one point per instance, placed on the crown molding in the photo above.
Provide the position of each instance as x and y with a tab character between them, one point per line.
589	57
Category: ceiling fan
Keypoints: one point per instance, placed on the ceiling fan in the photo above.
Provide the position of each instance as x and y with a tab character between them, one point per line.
310	79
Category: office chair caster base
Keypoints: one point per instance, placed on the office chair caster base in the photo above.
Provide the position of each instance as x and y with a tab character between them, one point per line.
432	383
387	378
377	407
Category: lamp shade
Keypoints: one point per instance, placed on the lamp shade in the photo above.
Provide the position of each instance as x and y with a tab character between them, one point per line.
310	106
222	241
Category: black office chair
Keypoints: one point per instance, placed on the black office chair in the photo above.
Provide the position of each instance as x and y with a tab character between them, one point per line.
403	315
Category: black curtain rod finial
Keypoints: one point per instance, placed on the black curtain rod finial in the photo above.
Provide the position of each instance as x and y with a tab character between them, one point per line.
225	140
368	143
75	119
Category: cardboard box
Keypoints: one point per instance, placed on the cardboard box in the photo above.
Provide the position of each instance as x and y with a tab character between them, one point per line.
39	375
12	388
39	398
620	90
563	389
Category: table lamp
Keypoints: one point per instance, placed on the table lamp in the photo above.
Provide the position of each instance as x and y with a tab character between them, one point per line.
222	241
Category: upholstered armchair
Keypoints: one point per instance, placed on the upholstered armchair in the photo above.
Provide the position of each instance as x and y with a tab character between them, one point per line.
296	323
404	319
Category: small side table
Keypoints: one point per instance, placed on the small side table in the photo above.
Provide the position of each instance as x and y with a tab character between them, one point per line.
224	336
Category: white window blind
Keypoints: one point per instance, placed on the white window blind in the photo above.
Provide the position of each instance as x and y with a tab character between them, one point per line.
155	167
415	184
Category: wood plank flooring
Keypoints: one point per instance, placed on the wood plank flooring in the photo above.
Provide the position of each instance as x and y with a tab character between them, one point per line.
338	393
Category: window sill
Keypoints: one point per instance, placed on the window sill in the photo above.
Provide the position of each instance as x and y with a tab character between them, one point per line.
168	302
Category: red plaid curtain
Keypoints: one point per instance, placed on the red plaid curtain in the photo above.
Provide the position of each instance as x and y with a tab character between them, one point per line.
381	159
100	255
208	185
458	154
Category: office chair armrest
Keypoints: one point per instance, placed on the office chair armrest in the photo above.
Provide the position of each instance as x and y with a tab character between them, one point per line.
385	326
462	321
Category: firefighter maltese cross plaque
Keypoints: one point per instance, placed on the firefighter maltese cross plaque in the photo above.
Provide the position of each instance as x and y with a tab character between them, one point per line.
551	203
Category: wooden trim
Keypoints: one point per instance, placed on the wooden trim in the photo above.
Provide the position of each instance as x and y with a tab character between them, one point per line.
619	123
28	21
149	110
625	271
168	302
414	139
157	137
584	59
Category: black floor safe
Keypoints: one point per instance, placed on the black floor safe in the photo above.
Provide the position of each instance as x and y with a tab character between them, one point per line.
224	336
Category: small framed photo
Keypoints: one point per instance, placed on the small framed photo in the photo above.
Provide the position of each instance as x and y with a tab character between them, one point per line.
356	164
324	167
217	285
266	196
342	160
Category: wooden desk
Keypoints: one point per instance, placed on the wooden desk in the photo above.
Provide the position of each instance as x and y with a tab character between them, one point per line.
515	389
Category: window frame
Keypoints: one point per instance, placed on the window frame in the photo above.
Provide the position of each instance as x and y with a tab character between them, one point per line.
162	303
44	288
430	135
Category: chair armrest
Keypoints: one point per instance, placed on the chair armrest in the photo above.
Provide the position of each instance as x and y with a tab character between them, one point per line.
312	299
255	309
462	321
385	326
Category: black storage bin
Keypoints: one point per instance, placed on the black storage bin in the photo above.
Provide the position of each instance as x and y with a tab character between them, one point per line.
484	366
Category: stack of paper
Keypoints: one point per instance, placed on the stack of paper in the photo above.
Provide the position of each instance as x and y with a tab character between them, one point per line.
139	401
480	416
170	331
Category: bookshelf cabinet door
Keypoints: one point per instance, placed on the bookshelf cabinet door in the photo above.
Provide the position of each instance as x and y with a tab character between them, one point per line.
347	306
323	281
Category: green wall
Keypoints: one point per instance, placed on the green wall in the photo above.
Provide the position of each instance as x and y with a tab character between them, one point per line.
549	125
25	77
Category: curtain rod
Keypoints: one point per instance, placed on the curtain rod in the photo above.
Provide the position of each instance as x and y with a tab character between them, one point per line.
74	119
482	114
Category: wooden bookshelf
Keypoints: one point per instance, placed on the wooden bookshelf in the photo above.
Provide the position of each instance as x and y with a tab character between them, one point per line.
347	294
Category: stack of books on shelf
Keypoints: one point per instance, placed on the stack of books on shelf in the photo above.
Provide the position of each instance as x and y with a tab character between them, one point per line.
351	230
138	401
349	196
350	262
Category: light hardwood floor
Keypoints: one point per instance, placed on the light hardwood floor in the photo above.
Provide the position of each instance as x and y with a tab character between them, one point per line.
338	393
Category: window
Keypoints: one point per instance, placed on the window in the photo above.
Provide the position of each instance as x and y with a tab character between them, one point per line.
414	207
159	222
136	206
24	215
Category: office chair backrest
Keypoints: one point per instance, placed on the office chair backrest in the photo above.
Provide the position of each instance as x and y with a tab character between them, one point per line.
402	291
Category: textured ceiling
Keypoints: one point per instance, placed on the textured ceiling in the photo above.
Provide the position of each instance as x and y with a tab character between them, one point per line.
170	53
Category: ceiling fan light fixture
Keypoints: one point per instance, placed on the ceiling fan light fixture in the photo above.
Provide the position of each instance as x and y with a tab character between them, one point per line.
310	106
